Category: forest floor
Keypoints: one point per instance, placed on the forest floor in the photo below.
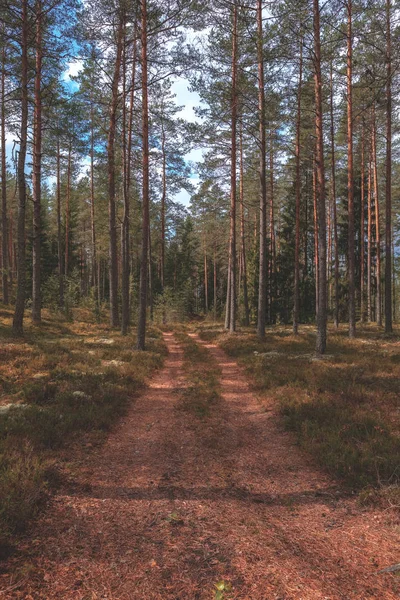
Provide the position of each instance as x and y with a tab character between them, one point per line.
200	493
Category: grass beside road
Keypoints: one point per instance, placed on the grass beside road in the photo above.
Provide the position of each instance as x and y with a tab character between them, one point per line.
344	409
62	386
203	375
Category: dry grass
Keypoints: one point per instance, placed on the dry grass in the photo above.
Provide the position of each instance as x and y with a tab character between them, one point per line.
203	375
63	382
344	409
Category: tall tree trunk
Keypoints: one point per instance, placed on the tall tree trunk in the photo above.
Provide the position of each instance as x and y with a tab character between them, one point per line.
263	265
362	225
350	174
205	279
95	282
59	238
334	207
232	244
228	296
369	239
296	306
18	319
272	262
4	223
141	334
37	172
243	234
388	220
215	283
151	297
113	267
377	225
322	317
316	252
125	237
163	203
68	211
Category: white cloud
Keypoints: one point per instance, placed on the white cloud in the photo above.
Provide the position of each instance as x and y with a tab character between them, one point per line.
189	100
183	197
74	68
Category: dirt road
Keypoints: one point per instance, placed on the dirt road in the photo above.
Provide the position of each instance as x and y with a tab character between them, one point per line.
172	506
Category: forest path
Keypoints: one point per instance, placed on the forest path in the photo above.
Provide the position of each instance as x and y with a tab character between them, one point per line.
172	505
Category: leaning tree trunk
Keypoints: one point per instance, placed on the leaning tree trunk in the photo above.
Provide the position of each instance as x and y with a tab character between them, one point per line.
388	220
37	172
296	306
322	316
18	319
350	174
263	265
4	223
141	334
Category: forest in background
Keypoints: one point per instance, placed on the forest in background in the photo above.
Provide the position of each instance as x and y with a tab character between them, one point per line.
295	217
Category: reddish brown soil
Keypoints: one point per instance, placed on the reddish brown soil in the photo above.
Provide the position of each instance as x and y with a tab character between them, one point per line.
173	504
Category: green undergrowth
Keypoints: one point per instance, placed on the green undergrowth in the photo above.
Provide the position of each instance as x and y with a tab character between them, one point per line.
343	409
63	386
203	375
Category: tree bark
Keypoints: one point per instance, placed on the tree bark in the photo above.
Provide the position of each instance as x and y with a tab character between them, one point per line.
113	267
18	319
322	317
388	220
296	306
163	204
125	238
59	238
369	240
141	333
68	211
350	174
243	235
316	252
334	207
95	282
205	280
263	265
4	222
377	227
215	283
272	262
362	226
232	244
37	171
